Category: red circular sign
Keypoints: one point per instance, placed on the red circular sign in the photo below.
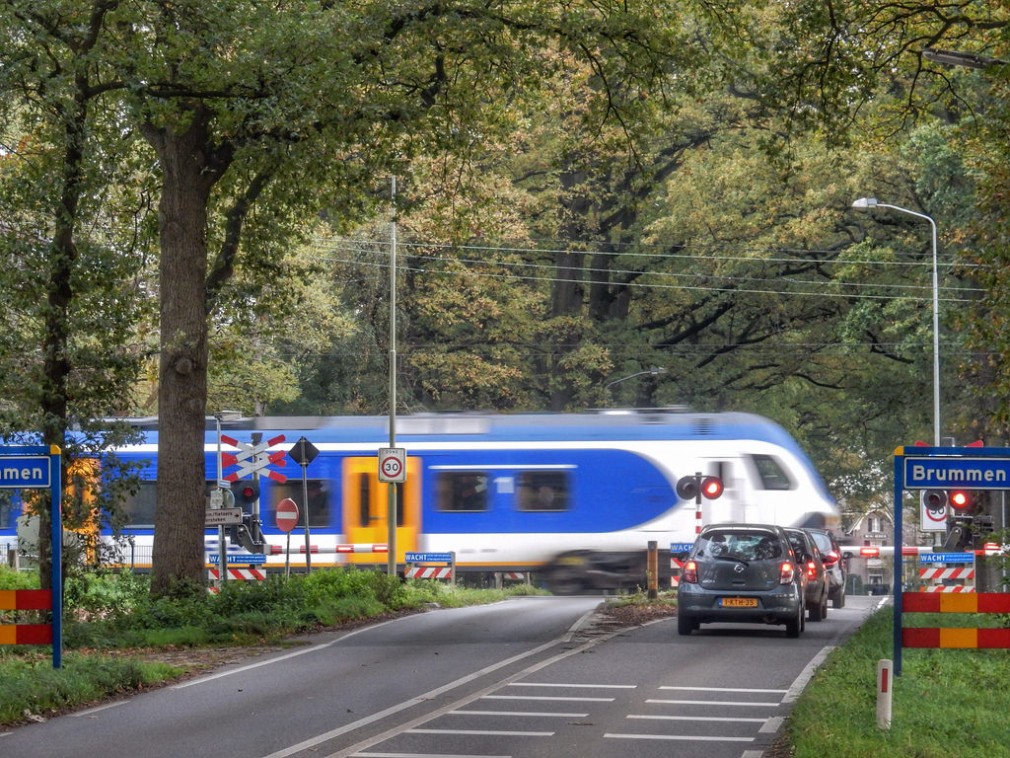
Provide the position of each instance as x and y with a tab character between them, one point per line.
287	514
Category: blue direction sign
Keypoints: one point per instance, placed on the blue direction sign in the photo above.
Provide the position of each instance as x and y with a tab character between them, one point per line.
963	472
681	547
429	557
24	471
946	557
234	558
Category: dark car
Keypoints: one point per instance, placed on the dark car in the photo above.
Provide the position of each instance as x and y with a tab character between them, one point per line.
831	555
813	565
741	573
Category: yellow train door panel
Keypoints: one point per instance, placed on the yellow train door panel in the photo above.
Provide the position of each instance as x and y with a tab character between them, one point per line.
366	508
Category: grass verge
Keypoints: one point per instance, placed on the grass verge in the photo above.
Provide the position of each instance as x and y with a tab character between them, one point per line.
114	631
946	703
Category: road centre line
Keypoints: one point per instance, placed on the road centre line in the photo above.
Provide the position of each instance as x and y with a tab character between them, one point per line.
543	714
714	702
389	733
287	656
677	737
552	699
734	719
722	689
378	716
577	686
480	732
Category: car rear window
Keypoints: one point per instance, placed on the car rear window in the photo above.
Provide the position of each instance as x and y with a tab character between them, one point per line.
739	545
822	541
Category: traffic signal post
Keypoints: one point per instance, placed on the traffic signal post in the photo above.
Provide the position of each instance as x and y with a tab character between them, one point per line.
951	477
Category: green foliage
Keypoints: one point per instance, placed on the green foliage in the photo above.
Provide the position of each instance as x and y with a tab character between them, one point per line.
29	685
117	611
943	703
17	580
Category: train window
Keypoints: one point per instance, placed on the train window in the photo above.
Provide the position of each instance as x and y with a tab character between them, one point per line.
542	491
318	500
139	507
462	491
364	500
7	510
773	476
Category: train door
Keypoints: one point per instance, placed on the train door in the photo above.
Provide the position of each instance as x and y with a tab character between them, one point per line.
366	507
732	504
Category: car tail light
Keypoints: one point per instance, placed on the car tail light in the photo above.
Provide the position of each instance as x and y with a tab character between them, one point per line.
830	559
787	573
811	570
690	573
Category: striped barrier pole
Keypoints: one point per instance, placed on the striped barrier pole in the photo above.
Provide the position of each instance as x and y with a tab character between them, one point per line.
943	637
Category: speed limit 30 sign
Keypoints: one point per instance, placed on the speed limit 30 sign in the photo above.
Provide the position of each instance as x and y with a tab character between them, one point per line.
392	465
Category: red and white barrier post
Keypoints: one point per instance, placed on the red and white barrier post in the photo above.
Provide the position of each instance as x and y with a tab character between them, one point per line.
884	686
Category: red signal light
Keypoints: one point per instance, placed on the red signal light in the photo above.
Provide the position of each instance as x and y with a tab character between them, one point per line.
246	492
960	499
711	487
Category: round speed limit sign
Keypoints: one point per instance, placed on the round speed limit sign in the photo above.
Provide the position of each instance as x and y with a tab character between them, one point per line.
392	464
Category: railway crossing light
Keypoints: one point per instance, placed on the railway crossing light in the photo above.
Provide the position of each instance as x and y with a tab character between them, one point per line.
697	486
934	500
961	500
247	491
711	487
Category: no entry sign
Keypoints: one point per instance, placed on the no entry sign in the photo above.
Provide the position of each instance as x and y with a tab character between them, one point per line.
287	515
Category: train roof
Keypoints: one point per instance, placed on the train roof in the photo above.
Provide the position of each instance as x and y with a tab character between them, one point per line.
604	425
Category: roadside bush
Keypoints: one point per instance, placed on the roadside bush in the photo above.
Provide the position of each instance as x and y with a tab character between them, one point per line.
18	580
104	595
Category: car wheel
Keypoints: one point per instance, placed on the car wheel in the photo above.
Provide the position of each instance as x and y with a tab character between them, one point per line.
838	601
795	625
685	625
819	612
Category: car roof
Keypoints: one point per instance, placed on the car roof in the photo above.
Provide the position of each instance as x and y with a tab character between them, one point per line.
729	526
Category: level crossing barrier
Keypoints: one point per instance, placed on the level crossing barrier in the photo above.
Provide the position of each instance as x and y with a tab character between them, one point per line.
941	576
419	566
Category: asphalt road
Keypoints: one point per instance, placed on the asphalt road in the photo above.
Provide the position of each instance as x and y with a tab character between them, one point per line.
525	678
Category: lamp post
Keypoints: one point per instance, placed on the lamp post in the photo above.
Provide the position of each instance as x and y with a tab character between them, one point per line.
653	371
866	203
391	517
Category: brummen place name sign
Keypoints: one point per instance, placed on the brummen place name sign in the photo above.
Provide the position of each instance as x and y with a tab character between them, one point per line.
943	473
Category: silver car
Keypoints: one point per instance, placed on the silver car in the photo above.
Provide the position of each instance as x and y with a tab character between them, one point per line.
742	573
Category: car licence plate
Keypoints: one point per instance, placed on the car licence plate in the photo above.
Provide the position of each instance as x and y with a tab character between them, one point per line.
738	602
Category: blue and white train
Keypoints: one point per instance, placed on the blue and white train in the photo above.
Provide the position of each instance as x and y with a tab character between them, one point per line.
574	498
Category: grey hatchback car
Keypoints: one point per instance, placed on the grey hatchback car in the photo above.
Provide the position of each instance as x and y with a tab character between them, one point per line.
741	573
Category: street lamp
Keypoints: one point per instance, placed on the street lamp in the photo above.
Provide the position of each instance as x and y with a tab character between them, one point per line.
866	203
653	371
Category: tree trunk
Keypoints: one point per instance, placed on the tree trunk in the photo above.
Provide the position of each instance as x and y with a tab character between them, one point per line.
189	172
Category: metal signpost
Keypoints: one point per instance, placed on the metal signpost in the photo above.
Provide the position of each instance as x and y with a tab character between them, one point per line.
252	459
287	519
303	453
38	467
939	468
